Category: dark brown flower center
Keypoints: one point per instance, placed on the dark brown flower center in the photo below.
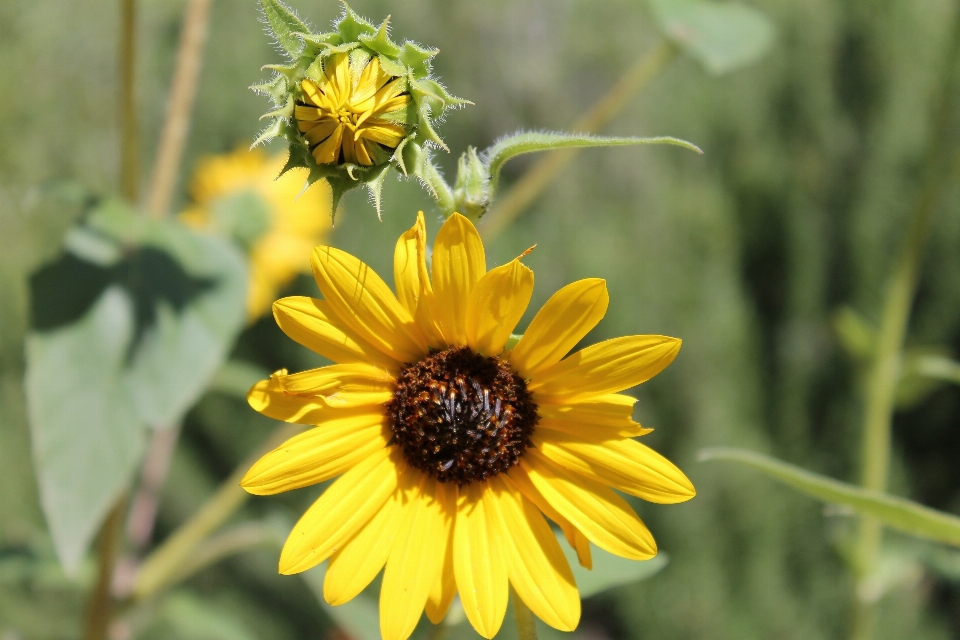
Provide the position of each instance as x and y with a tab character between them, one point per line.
460	416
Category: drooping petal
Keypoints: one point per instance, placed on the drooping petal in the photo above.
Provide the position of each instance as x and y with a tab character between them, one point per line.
365	303
496	305
561	323
343	509
520	478
416	560
444	589
458	264
625	464
406	269
312	323
478	562
354	566
269	398
317	455
606	367
328	380
536	566
603	516
602	415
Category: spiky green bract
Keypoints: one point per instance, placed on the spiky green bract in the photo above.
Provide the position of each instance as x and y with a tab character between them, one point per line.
361	40
471	192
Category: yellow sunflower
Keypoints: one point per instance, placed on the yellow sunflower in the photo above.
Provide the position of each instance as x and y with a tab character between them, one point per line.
348	119
240	193
452	446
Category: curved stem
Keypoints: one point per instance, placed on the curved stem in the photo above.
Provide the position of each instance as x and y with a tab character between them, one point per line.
526	623
440	187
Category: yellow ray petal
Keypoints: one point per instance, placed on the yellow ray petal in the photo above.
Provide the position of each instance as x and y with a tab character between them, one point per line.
600	416
367	84
591	432
406	269
625	464
313	324
328	151
340	512
357	563
605	367
317	455
478	562
599	513
416	560
458	264
519	477
387	134
328	380
496	305
582	546
321	131
536	566
268	397
561	323
301	112
365	304
444	589
312	93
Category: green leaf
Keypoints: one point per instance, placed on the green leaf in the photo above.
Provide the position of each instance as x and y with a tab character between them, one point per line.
520	143
897	513
117	346
236	377
722	36
359	618
284	25
186	616
609	571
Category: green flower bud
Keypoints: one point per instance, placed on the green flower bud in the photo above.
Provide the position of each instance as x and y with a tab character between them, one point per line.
352	103
471	192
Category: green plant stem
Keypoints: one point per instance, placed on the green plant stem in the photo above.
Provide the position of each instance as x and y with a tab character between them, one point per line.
526	623
161	567
176	123
541	174
442	190
101	602
888	356
129	138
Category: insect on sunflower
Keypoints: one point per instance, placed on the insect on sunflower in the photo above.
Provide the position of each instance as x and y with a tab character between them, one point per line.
454	449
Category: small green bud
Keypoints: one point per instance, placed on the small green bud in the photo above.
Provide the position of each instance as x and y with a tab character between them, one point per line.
471	192
351	103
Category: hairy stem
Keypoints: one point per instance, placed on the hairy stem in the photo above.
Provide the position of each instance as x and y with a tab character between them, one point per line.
129	138
540	175
526	623
176	124
440	187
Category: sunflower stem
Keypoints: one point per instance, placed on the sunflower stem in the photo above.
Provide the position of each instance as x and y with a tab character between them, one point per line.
163	567
526	623
129	138
441	190
516	200
100	609
176	124
888	355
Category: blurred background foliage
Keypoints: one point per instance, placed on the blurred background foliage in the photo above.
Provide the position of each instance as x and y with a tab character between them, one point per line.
757	254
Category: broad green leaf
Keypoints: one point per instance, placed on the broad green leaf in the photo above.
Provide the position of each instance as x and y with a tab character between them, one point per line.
609	571
186	616
359	618
897	513
127	342
284	25
235	377
722	36
520	143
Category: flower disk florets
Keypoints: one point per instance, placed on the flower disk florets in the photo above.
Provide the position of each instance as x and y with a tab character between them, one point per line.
461	417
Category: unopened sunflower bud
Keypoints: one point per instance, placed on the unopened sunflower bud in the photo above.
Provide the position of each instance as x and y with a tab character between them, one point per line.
471	192
351	103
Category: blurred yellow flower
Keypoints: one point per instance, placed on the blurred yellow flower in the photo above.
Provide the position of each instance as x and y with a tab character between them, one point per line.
352	120
239	193
452	447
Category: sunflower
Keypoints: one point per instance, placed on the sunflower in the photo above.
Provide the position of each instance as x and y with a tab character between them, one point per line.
352	120
275	218
453	444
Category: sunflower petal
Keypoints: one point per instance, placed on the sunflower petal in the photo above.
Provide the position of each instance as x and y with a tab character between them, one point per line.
406	268
444	589
313	324
478	562
625	464
536	566
268	397
317	455
604	368
415	563
599	513
357	563
343	509
591	432
365	303
458	264
561	323
328	380
602	415
496	305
